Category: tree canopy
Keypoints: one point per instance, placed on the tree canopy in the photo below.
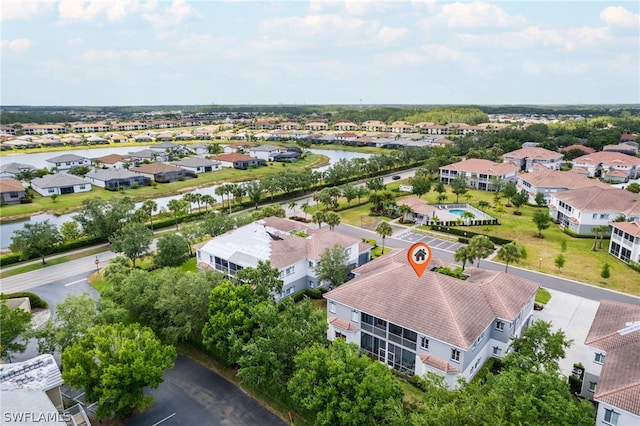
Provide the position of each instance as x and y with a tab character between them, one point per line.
15	326
133	240
35	239
332	266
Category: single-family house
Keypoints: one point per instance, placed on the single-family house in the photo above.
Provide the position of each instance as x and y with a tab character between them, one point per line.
11	191
163	173
149	155
117	138
316	125
66	162
238	161
480	174
433	323
288	125
114	161
612	375
265	152
142	138
97	140
198	164
602	164
292	247
117	178
581	209
625	241
346	136
530	159
10	170
629	148
60	184
628	137
548	181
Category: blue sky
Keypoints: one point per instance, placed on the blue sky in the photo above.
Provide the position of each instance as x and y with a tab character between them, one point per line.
131	52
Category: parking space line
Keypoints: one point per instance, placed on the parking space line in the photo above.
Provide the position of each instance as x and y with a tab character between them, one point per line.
164	420
75	282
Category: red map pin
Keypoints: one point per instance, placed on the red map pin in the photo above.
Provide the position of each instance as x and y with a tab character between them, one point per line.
419	256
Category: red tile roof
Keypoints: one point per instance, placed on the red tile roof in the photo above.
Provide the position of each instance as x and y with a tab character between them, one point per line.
10	185
232	157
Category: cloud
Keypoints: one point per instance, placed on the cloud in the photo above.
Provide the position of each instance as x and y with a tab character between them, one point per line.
75	41
322	26
140	57
17	9
172	16
442	53
350	7
473	15
17	45
388	35
619	16
400	59
114	10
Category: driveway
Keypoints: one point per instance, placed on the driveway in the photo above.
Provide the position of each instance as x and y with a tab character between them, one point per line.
193	395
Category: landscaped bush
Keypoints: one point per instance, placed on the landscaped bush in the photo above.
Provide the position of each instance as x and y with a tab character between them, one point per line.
469	234
9	259
35	300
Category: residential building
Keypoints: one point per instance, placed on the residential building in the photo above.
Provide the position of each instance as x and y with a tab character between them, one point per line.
142	138
11	191
161	172
265	152
90	127
345	126
288	125
10	170
374	126
238	161
114	161
117	178
584	149
548	182
149	155
66	162
198	164
581	209
629	148
43	129
603	164
128	126
7	130
316	125
292	247
612	375
625	241
401	127
530	159
480	174
433	323
60	184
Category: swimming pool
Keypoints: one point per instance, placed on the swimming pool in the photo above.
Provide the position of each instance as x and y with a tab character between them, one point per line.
457	212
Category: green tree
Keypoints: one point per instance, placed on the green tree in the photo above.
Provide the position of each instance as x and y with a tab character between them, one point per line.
605	273
231	321
563	245
99	218
420	185
70	231
384	230
599	232
508	253
560	261
540	200
114	363
519	199
192	233
333	267
189	198
542	220
178	208
405	211
267	359
134	241
35	239
172	250
215	224
463	254
254	191
341	386
481	247
483	204
264	279
238	192
75	315
15	330
539	349
459	186
332	219
208	201
509	190
375	184
633	187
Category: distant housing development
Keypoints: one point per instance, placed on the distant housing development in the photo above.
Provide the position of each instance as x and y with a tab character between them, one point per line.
534	158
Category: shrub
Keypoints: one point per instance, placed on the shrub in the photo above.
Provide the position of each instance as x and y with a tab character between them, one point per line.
35	300
469	234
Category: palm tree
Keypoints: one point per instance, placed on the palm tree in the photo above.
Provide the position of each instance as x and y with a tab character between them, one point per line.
463	254
332	219
238	192
149	207
178	207
292	206
483	204
508	253
198	199
384	230
220	191
318	217
208	200
405	211
306	207
189	198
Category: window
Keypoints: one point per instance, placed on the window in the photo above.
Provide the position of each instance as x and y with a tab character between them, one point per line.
594	216
497	350
199	255
51	190
310	264
281	274
83	186
290	270
367	319
354	316
455	355
332	307
500	325
348	250
611	417
592	386
290	290
479	339
424	343
599	358
340	335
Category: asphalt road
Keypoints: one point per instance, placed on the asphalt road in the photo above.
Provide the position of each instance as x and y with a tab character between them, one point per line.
194	395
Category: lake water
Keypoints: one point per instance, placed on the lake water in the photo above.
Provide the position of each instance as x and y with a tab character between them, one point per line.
39	160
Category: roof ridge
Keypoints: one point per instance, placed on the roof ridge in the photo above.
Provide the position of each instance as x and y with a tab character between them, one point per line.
627	387
448	305
497	297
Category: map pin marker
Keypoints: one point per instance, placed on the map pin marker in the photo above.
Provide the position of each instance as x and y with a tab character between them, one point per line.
419	256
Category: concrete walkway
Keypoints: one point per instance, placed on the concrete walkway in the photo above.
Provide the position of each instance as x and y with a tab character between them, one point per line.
573	315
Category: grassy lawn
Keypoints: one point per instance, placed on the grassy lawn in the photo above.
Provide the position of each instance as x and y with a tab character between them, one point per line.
71	202
543	296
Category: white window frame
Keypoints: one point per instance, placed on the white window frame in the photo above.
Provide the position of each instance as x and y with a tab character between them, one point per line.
592	386
424	343
455	355
499	325
613	417
355	316
599	358
332	306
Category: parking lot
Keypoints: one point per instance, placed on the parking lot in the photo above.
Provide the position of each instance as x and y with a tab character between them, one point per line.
430	241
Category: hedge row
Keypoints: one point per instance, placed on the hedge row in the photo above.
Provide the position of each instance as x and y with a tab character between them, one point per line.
469	234
35	300
574	235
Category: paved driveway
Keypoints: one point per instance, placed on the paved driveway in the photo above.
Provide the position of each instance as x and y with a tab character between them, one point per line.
194	395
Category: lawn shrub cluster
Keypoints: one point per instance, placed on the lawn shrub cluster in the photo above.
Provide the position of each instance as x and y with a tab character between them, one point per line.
469	234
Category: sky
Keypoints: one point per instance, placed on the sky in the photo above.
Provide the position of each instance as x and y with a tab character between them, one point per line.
414	52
